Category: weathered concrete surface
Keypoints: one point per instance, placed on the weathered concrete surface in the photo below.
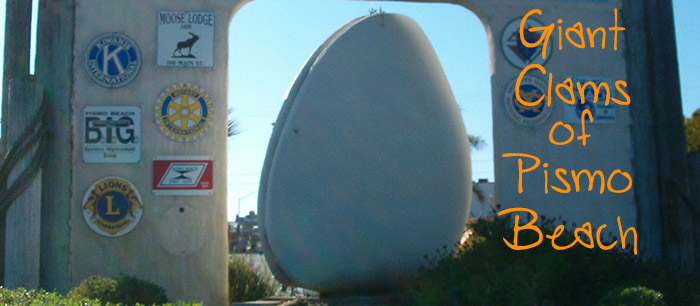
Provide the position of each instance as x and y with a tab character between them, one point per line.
54	62
16	58
23	218
180	242
662	90
694	196
643	115
16	65
383	300
608	148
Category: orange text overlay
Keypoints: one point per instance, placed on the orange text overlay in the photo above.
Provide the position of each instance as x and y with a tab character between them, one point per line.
567	91
586	229
574	34
575	177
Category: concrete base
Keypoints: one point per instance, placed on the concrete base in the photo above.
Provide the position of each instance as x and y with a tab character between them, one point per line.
359	300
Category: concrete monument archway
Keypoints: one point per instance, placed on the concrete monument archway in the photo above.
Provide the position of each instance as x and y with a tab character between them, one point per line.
640	139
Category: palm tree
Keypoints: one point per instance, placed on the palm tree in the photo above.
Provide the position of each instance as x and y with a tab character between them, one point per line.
233	125
476	142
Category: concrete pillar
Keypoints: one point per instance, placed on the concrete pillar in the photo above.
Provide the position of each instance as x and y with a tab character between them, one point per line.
53	70
610	145
694	196
179	242
16	65
23	217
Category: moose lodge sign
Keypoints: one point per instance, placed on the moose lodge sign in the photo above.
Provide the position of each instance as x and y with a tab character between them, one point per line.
186	39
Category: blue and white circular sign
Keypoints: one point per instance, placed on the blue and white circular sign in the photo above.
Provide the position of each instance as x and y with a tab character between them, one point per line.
515	50
112	60
112	206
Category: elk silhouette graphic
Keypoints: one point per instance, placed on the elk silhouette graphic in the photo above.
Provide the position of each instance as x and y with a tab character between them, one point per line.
186	44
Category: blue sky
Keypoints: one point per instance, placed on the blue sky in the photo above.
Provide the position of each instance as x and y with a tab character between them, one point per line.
271	39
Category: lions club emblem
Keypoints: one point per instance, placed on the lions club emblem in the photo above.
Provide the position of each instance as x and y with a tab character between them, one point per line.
112	206
183	112
531	89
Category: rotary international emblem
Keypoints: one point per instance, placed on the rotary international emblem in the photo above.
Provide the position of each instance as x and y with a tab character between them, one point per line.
183	112
112	206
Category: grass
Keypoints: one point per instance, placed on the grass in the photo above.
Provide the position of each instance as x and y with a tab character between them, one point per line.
247	283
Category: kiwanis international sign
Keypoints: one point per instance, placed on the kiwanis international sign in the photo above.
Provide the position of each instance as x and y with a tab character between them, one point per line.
112	60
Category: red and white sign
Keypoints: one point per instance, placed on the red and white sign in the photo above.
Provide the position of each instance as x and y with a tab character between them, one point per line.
183	175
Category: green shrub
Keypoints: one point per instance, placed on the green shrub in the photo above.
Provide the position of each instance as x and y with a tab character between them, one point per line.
125	290
692	132
131	290
245	283
634	296
25	297
484	271
96	287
